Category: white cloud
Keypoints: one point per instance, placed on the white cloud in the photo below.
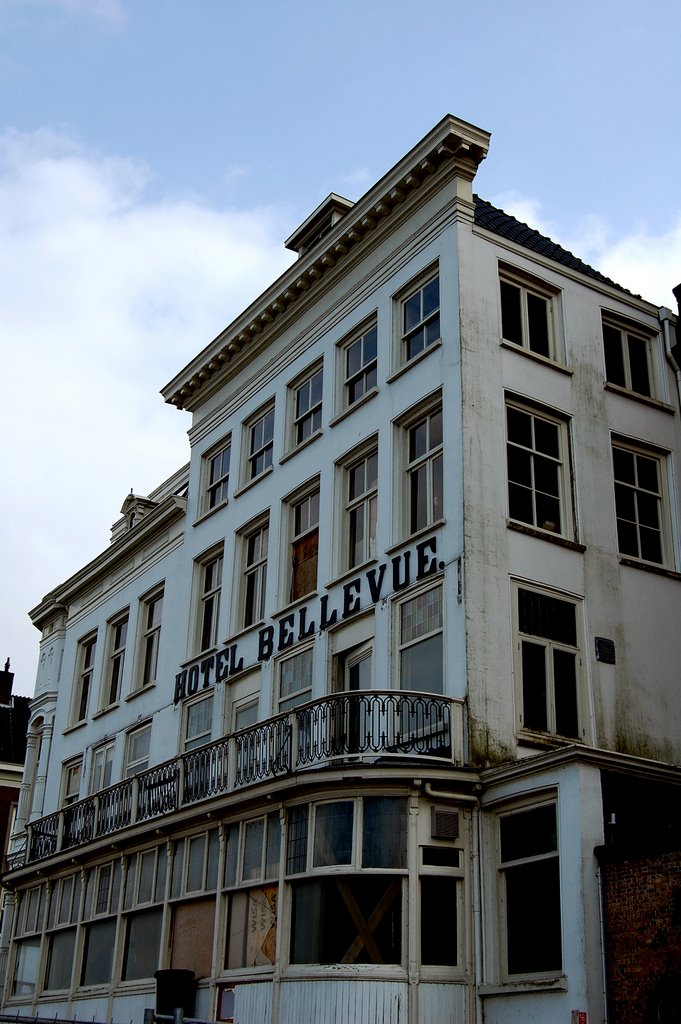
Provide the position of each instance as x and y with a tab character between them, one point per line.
104	296
646	263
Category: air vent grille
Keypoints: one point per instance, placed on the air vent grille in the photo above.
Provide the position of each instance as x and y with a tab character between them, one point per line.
444	823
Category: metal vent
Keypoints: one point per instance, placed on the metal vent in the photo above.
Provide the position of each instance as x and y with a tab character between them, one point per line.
444	823
605	650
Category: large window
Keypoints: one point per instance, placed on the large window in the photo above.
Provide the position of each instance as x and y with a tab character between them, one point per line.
420	641
251	876
216	475
420	312
304	526
351	912
537	469
527	314
548	663
361	508
530	896
210	587
639	492
61	932
151	609
137	750
424	470
359	365
627	357
118	636
260	443
295	679
144	888
102	892
307	406
71	776
83	687
255	547
198	723
102	766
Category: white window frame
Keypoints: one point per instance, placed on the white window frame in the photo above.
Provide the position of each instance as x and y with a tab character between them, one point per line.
312	411
87	653
553	648
215	471
102	766
364	504
540	499
429	323
293	698
150	622
133	766
365	376
431	460
117	639
401	645
641	494
197	739
72	781
259	443
209	574
630	335
530	290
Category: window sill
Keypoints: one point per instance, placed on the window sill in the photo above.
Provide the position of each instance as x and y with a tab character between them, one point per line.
105	711
349	574
545	740
251	483
293	605
243	631
211	512
299	447
412	362
659	570
552	538
140	691
537	357
196	659
413	537
648	400
72	728
555	983
366	397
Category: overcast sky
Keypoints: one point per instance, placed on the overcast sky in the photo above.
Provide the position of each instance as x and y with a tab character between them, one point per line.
155	153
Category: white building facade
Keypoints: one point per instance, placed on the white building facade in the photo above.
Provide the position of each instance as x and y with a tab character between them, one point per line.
328	722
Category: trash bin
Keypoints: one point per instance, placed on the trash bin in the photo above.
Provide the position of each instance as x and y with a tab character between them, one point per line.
175	989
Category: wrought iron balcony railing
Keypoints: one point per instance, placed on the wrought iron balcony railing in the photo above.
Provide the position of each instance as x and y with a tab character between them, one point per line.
369	725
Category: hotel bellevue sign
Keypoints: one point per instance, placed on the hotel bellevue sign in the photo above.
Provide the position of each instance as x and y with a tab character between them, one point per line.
400	572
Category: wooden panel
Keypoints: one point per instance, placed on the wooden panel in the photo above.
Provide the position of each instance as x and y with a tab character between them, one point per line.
192	937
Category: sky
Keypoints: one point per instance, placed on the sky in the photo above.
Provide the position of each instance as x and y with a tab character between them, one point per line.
154	154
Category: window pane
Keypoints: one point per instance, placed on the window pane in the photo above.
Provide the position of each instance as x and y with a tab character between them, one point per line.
384	839
511	323
534	686
253	840
296	852
141	952
614	360
252	928
421	666
439	943
565	696
26	967
197	846
538	324
528	833
333	834
273	845
60	959
533	917
100	939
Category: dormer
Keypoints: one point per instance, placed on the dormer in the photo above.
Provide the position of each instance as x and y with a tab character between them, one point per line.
134	508
318	224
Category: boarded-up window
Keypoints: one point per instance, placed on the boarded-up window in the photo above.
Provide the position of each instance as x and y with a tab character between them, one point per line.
192	937
252	928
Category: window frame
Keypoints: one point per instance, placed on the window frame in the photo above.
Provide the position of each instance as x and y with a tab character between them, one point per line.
367	373
567	527
550	645
661	459
198	739
214	488
256	448
87	653
314	411
208	599
300	535
431	460
107	748
118	629
366	502
416	287
629	332
250	607
73	768
149	637
293	699
401	646
529	286
140	764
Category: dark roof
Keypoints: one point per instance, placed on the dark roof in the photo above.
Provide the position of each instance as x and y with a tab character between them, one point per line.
13	725
489	217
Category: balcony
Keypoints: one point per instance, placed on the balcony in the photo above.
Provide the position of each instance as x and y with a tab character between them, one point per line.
368	726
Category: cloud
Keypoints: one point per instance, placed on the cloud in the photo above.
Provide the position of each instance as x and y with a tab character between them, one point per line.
104	296
645	262
111	12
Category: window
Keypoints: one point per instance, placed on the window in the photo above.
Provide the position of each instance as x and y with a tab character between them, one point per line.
100	906
151	611
137	755
102	766
420	641
548	663
304	514
260	443
361	508
638	503
216	470
530	896
118	635
346	916
359	365
537	469
198	723
86	658
295	679
424	470
255	573
144	886
420	319
61	936
627	357
71	781
307	406
527	314
251	875
210	585
26	966
142	942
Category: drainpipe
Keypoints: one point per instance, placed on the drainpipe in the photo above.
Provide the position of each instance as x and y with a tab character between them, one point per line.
474	801
672	339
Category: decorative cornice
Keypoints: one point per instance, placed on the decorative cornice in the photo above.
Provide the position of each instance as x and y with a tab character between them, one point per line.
454	148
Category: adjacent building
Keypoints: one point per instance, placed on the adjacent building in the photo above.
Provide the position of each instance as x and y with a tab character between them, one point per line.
371	711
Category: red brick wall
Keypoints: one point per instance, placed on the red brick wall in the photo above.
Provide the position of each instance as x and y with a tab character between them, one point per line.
642	916
8	795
